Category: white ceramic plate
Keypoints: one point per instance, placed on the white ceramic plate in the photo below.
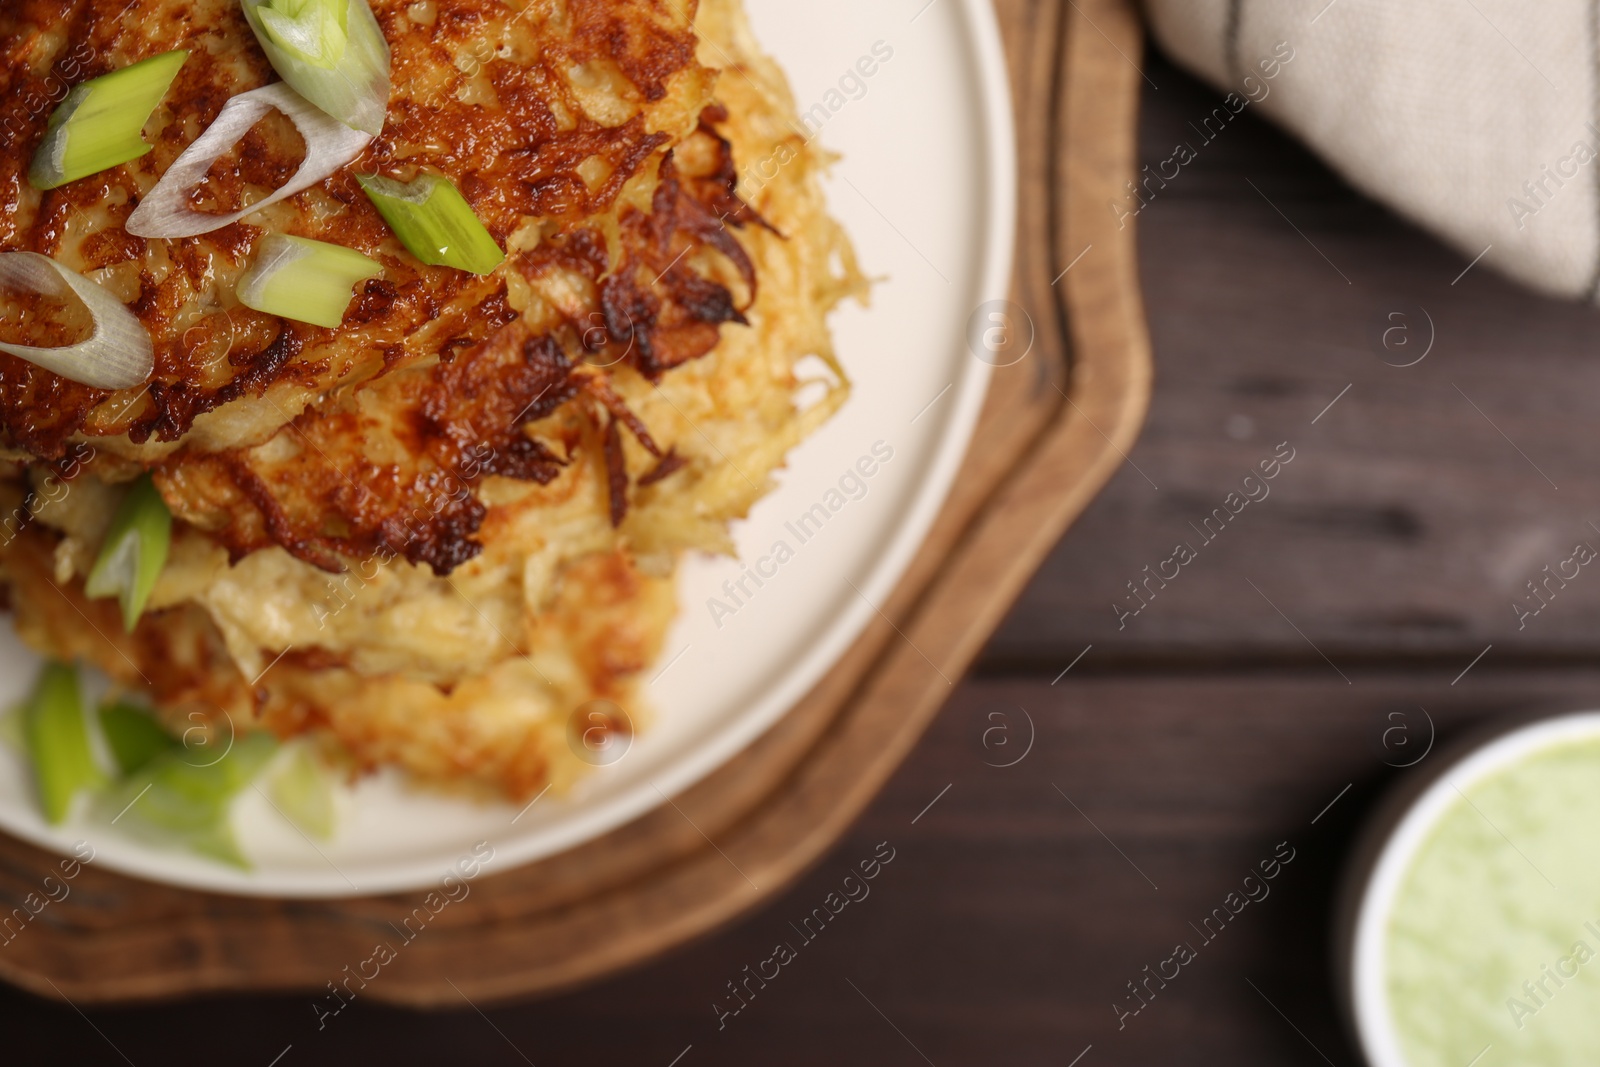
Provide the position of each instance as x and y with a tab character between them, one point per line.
926	188
1367	970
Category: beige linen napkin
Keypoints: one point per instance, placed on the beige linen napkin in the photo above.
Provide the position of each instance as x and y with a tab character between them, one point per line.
1475	118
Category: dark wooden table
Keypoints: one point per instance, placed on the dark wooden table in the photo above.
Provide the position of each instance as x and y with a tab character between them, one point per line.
1244	706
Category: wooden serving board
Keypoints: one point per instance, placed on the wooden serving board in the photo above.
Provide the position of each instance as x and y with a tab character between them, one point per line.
1056	425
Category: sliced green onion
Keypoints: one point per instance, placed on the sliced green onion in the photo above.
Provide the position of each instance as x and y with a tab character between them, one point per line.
175	802
312	31
134	551
117	354
302	789
304	280
133	735
100	124
434	221
13	728
58	741
337	59
166	210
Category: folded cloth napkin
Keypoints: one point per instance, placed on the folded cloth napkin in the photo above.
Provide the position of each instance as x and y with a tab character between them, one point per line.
1476	118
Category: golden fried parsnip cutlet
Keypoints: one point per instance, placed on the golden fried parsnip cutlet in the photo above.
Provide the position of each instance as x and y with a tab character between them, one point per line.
433	534
541	114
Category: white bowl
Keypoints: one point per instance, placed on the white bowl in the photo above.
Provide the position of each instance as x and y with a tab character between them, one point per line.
1390	846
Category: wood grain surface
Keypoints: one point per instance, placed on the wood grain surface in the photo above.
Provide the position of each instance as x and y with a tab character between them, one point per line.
1052	433
1189	745
1382	533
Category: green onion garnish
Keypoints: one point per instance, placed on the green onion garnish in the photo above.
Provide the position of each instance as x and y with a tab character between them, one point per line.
332	52
312	31
101	122
14	729
180	799
58	741
134	551
304	280
302	790
167	211
117	354
133	735
434	221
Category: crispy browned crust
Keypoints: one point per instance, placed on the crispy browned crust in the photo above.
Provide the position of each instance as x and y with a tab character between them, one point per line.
391	480
437	374
390	469
518	158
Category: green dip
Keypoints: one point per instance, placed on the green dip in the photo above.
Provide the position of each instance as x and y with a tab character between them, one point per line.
1494	941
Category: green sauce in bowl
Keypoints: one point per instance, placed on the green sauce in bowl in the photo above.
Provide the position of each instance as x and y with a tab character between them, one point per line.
1492	948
